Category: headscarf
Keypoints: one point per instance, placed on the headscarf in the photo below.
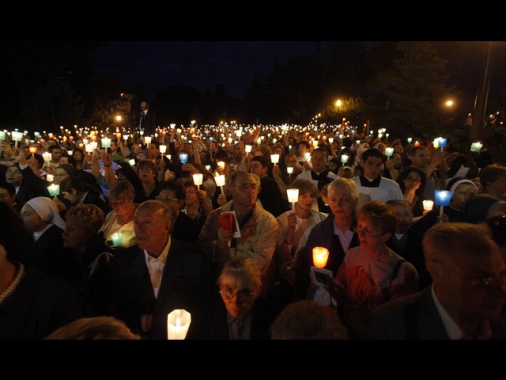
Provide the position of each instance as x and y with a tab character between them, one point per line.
456	181
47	210
69	168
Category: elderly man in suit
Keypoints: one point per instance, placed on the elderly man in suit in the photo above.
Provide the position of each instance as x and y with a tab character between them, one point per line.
468	292
149	280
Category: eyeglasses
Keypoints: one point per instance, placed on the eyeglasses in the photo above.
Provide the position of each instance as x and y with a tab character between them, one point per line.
116	204
364	231
483	283
247	186
165	199
242	295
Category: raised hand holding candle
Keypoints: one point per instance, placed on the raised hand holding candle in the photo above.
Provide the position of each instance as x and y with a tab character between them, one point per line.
163	149
320	256
220	181
274	158
389	151
178	323
106	142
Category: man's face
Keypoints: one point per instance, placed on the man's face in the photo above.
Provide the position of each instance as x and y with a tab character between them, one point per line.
420	159
151	230
56	155
257	168
372	167
318	161
245	191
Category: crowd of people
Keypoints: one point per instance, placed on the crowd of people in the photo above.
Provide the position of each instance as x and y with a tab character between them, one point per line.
227	231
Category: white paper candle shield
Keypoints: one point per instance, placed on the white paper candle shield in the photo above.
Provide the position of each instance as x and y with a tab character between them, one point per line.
117	239
428	204
178	323
147	140
197	179
106	142
163	149
54	190
274	158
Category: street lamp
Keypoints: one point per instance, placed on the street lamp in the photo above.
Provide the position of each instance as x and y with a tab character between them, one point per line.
338	105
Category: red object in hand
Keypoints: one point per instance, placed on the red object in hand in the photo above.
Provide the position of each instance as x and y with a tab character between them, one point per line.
226	221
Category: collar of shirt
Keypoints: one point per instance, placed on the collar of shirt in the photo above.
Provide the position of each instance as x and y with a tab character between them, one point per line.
162	259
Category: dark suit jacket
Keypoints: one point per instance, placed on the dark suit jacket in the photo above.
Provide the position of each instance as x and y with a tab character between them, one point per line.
186	284
48	247
148	123
416	317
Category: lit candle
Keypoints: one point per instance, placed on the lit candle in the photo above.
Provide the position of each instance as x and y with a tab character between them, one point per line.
248	148
53	189
49	178
274	158
389	151
307	156
147	140
293	196
410	139
33	150
163	149
442	198
208	168
178	323
417	143
220	181
183	158
441	142
476	147
331	140
344	158
221	164
197	179
117	239
106	142
2	135
125	137
320	256
289	169
428	204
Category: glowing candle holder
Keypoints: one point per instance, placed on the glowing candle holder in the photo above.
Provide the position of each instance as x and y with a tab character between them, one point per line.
131	162
410	139
49	178
417	143
320	256
221	164
54	190
476	147
163	149
307	156
208	168
17	137
293	196
442	198
441	142
389	152
248	148
3	135
274	158
70	152
220	181
331	140
147	140
106	142
125	137
117	239
428	205
344	158
289	169
178	323
197	179
183	158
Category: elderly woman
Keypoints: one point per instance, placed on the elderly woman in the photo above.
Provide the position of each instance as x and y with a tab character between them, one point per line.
240	314
148	173
372	273
120	219
335	233
42	219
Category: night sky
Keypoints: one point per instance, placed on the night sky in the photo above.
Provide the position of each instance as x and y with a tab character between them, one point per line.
199	64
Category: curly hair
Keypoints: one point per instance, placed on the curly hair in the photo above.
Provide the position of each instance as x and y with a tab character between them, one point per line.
90	216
